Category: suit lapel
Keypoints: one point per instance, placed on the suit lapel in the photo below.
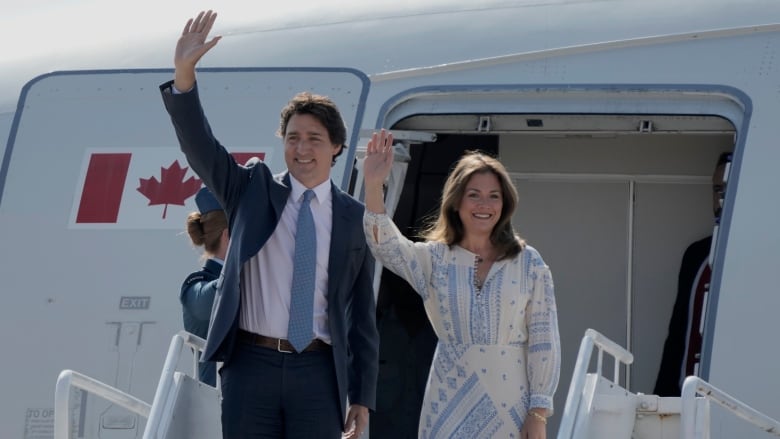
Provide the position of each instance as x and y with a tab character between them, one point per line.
254	226
279	197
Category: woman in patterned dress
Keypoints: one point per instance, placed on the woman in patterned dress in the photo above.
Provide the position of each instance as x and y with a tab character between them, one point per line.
488	295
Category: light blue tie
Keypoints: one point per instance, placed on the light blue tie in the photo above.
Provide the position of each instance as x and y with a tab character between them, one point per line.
299	330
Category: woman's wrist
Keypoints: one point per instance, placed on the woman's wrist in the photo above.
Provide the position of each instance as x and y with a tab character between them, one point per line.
537	416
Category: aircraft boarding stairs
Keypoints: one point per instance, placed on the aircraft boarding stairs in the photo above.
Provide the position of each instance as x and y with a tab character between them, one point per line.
183	407
596	407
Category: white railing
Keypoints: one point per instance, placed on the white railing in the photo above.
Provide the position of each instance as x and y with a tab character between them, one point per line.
693	386
591	339
69	379
166	377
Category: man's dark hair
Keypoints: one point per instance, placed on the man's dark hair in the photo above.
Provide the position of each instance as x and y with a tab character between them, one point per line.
321	108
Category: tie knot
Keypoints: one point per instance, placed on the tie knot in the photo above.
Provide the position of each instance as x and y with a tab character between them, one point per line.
307	196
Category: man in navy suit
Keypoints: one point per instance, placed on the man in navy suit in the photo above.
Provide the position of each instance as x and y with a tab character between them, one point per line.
270	389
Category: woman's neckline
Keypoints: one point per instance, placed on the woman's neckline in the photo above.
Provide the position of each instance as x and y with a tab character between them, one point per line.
480	257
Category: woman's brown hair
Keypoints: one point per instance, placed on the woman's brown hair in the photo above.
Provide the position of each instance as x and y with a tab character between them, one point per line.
205	229
447	226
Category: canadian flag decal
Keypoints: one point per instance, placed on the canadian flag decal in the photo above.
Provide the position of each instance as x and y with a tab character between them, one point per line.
171	189
141	188
103	186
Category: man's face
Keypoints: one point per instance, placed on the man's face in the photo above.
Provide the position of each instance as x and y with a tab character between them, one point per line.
308	150
718	189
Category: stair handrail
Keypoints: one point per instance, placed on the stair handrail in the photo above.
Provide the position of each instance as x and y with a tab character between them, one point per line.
591	339
181	339
197	344
70	379
693	386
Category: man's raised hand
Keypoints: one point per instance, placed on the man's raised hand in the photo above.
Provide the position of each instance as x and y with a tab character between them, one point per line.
192	45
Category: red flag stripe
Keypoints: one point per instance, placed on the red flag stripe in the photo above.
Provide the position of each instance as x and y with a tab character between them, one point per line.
103	187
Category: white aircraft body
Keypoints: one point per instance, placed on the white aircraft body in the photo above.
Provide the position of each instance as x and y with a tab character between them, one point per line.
609	115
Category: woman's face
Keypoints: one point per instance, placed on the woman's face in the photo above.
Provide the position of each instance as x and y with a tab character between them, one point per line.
480	207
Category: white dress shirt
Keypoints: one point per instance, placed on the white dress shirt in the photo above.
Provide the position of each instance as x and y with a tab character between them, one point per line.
266	278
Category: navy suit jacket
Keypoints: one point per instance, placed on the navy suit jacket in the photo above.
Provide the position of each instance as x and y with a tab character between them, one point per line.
254	199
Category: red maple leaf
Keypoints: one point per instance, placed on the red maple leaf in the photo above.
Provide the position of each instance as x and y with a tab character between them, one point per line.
171	189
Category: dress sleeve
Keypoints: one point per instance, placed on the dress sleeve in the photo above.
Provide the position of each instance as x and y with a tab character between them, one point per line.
544	344
409	260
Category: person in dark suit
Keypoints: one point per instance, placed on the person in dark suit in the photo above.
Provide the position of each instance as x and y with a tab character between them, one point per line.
269	387
682	348
207	228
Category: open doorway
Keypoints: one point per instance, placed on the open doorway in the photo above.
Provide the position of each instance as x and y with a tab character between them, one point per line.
610	201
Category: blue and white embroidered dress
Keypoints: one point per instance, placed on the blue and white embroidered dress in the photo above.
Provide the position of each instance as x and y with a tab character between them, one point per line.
498	353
